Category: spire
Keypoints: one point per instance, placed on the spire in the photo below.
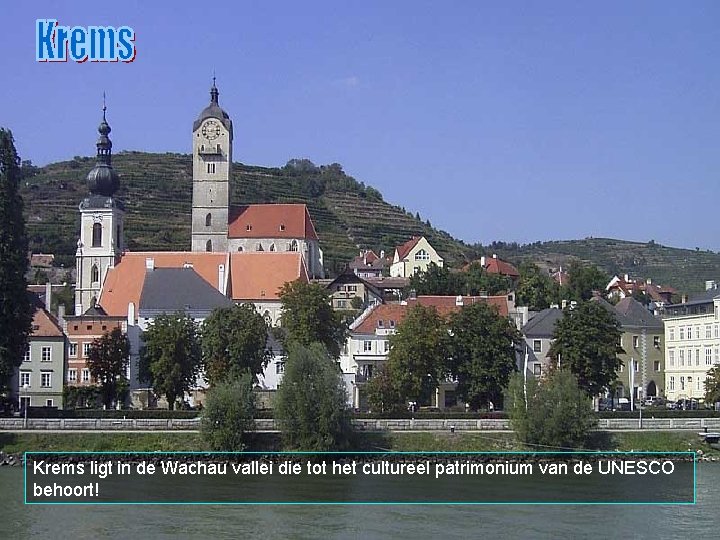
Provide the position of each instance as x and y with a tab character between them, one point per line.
102	179
104	144
214	92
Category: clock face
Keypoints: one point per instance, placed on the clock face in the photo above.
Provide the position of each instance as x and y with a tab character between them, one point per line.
211	130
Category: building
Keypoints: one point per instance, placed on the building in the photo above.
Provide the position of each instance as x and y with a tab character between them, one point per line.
624	287
538	333
349	286
369	265
495	265
414	256
692	343
38	382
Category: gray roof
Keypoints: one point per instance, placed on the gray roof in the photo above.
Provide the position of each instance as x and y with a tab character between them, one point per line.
634	314
169	290
705	297
214	111
543	323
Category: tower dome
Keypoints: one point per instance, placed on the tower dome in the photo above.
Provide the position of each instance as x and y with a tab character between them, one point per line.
213	110
102	179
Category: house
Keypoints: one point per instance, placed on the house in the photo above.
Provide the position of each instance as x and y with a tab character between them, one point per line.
414	256
692	343
538	333
347	287
369	265
495	265
624	287
38	382
391	288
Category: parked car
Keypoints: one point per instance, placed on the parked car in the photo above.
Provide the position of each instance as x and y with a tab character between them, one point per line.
622	404
654	401
687	404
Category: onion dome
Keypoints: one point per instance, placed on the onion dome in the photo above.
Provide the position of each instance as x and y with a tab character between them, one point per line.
213	110
102	179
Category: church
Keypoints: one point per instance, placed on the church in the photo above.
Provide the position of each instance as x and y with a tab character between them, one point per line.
246	252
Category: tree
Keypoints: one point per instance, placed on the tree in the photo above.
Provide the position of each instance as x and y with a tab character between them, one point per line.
234	341
311	405
712	386
552	412
229	414
478	280
437	280
308	317
584	279
587	341
107	361
419	350
382	392
16	308
483	353
171	356
535	289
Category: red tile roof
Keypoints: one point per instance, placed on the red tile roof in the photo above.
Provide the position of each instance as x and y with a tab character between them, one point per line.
405	248
124	283
271	221
382	312
259	276
498	266
43	323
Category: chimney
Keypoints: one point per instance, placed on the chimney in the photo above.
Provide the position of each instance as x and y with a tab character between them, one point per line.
564	304
684	299
710	284
482	261
131	315
494	255
627	278
61	312
459	301
149	264
221	278
649	281
48	295
382	253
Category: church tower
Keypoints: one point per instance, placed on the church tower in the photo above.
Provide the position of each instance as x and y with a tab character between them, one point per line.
101	226
212	162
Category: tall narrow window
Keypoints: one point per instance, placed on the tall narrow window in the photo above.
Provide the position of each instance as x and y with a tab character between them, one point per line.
208	245
293	245
94	274
97	235
208	220
272	247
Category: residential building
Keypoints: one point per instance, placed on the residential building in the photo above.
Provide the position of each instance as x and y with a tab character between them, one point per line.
624	287
348	286
414	256
538	333
495	265
692	343
369	265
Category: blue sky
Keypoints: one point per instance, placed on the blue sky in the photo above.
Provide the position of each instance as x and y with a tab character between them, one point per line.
515	121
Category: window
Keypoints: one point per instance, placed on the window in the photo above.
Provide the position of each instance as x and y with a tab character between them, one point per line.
656	342
537	370
392	324
697	333
672	334
682	383
282	226
656	365
636	342
367	346
48	402
708	357
86	349
279	368
422	255
259	247
697	384
240	248
72	349
708	331
208	220
717	356
381	323
682	357
537	345
682	332
72	375
24	378
94	274
46	355
387	346
717	330
248	228
622	367
672	384
636	365
26	356
85	375
211	168
671	357
208	245
293	246
97	235
24	402
45	379
272	247
697	357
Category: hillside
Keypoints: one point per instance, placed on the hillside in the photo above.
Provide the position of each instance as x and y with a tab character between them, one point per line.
157	190
684	269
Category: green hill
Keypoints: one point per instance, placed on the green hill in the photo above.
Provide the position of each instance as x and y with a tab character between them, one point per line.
157	190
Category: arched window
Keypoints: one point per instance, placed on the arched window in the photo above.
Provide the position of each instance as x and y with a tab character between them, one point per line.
272	247
97	235
208	245
259	247
293	245
94	274
240	248
422	255
208	220
268	318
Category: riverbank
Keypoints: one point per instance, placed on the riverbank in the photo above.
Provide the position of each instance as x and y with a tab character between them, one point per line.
657	441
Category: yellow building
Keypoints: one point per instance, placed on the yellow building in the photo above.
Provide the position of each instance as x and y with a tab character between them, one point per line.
414	256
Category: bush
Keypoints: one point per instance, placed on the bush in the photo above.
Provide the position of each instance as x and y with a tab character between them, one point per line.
311	406
229	414
554	412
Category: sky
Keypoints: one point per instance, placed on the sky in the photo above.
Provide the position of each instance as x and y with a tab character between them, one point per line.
514	121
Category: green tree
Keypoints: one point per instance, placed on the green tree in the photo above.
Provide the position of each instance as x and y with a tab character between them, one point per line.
478	280
382	392
16	309
587	341
107	361
171	356
229	414
437	280
234	341
535	289
311	405
552	412
483	353
712	386
419	351
308	317
583	279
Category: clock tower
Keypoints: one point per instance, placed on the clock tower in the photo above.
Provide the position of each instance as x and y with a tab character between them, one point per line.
212	163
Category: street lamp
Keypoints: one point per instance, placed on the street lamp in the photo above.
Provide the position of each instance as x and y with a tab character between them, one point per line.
26	389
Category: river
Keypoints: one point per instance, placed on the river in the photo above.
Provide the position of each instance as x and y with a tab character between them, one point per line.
701	520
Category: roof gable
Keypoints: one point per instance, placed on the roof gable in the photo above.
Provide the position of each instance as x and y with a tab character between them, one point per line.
179	289
402	250
44	324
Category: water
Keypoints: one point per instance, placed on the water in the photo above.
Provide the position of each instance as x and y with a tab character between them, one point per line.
344	522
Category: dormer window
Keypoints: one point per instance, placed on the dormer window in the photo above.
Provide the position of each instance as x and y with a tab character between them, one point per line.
248	227
381	324
282	227
392	324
